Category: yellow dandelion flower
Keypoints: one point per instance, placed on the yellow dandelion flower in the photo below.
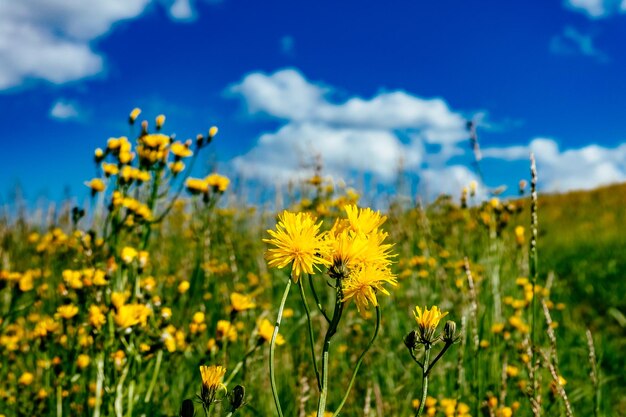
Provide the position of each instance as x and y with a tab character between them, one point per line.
427	322
160	120
212	377
196	185
83	361
266	329
218	182
225	329
130	315
128	254
240	302
26	379
133	115
183	287
67	311
180	150
298	243
364	220
363	284
96	185
96	317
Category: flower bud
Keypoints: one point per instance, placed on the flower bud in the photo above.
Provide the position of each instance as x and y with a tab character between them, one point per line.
449	331
160	119
411	340
133	115
236	397
186	409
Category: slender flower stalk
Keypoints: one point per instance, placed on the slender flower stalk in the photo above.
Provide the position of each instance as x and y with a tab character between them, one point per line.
420	410
272	347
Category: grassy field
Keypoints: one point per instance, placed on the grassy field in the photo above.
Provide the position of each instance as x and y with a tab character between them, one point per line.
111	309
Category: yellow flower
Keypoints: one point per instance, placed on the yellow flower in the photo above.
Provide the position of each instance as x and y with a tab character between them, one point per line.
26	379
196	185
226	329
96	185
519	235
67	311
110	169
427	321
266	329
160	119
83	361
364	220
133	115
198	317
183	287
212	131
180	150
218	182
363	283
298	243
240	302
96	317
130	315
177	167
212	377
156	140
128	254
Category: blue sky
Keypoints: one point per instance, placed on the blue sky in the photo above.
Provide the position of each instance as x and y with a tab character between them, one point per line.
362	83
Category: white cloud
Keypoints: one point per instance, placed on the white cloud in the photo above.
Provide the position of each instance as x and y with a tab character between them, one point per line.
447	180
356	135
64	110
597	8
182	10
573	42
562	170
50	39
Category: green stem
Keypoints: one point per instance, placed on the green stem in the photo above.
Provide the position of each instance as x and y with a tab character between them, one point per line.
420	410
358	363
332	329
311	337
441	353
157	368
273	345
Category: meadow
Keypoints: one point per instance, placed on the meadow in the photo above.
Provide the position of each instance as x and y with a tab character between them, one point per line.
167	295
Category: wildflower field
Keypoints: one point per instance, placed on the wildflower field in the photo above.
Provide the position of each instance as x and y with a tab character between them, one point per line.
167	295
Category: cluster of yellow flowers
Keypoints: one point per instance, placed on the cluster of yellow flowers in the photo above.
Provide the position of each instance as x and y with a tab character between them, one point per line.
353	251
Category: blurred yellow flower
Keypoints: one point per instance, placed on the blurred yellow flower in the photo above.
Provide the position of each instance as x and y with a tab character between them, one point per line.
218	182
67	311
83	361
130	315
240	302
160	120
180	150
96	317
196	185
133	115
266	329
96	185
26	379
128	254
183	287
